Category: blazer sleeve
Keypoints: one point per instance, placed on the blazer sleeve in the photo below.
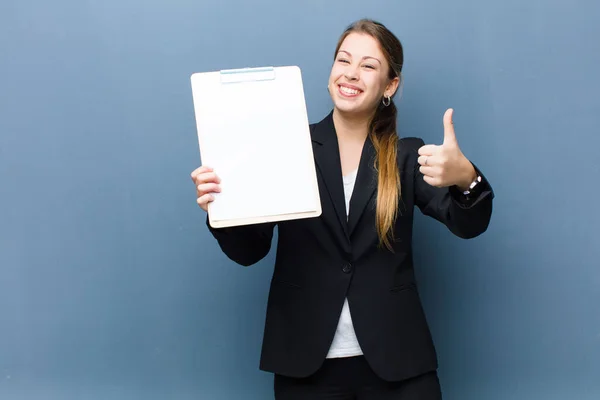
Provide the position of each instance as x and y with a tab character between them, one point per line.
246	244
465	218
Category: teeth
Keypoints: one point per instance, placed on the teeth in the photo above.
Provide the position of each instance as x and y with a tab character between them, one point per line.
348	90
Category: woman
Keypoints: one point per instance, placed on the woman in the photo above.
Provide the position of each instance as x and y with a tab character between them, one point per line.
344	319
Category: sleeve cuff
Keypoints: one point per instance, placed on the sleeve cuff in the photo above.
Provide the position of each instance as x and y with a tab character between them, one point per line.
481	190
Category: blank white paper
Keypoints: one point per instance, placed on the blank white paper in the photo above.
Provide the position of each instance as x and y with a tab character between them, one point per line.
255	136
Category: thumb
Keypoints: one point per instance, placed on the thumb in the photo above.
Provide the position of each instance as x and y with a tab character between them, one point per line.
449	135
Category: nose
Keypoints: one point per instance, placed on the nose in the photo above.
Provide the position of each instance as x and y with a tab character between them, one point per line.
351	73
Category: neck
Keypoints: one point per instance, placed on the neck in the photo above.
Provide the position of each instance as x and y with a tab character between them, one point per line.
350	127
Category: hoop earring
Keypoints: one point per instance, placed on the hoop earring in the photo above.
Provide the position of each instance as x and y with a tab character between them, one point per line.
388	102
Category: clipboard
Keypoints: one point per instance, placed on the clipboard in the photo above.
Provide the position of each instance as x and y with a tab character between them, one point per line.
253	130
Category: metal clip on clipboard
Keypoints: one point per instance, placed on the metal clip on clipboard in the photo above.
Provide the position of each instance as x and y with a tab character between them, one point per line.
247	75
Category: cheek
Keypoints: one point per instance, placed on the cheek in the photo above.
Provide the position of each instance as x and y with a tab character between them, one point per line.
374	84
334	75
331	78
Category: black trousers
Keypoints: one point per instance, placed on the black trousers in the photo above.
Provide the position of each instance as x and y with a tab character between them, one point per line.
353	379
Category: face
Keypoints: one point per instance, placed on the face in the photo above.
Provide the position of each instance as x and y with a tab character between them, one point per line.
359	77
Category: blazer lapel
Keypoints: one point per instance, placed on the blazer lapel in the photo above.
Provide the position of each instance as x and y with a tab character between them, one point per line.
365	185
327	156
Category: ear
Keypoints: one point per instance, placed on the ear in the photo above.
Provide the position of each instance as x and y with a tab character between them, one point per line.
392	86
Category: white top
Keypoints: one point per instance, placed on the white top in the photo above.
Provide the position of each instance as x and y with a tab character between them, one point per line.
344	342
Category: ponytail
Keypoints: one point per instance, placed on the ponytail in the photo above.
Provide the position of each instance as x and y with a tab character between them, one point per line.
383	134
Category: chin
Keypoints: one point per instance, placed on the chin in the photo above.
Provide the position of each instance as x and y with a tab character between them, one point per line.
349	108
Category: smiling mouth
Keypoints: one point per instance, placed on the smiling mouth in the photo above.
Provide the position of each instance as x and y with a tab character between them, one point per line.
349	92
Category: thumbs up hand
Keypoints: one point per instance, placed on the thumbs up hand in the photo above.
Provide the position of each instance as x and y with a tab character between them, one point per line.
445	165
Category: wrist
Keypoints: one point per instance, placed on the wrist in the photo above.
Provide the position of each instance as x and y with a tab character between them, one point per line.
469	176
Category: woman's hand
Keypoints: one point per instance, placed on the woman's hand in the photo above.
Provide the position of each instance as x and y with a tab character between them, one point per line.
445	165
207	183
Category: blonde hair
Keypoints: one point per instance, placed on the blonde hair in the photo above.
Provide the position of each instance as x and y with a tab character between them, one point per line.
382	131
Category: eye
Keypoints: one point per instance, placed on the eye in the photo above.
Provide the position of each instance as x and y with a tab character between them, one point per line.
369	66
343	60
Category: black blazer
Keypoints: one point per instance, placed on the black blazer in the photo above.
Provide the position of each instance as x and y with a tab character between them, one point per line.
322	260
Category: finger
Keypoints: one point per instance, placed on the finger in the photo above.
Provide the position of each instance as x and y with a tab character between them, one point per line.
204	200
206	177
449	134
431	181
200	170
427	171
208	188
428	150
430	161
427	160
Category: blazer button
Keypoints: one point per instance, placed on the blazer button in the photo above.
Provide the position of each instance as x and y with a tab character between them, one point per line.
347	268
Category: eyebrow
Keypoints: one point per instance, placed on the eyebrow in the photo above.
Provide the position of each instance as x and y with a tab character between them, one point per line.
364	58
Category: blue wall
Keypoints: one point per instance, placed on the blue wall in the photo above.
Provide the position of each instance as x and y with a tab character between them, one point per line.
112	288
